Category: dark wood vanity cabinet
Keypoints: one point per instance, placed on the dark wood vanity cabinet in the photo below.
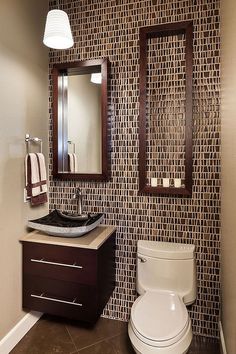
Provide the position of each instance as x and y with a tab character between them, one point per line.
72	282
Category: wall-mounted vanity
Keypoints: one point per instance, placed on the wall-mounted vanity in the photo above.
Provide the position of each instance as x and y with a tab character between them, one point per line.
80	120
165	126
69	277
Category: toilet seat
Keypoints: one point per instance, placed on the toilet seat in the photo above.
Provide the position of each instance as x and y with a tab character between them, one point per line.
159	318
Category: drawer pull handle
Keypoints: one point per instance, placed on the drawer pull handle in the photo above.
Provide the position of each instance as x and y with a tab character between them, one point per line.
56	264
56	300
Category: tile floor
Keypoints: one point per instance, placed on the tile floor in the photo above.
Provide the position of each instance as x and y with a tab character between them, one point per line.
55	335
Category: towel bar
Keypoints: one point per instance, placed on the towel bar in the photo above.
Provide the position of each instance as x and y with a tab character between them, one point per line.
29	139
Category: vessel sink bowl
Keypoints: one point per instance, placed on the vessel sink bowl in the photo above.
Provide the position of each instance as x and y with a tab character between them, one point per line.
62	224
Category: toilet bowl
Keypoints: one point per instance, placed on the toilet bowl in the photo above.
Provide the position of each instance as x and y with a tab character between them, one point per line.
166	282
160	323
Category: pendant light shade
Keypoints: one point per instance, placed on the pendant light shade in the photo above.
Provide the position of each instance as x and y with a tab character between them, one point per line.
57	34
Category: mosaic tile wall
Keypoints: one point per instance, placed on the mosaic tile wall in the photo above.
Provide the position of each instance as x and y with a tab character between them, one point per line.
110	28
166	108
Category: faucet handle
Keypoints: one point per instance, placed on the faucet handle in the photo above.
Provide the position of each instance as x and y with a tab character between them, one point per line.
77	194
78	191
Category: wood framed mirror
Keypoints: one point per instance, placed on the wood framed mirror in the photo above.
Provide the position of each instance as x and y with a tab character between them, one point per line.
165	121
80	120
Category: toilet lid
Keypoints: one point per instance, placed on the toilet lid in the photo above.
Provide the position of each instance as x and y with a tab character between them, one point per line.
159	316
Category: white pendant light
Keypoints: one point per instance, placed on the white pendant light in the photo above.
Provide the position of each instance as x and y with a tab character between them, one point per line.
57	34
96	78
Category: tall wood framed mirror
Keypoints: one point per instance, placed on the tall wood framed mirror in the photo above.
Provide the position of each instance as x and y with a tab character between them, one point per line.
80	120
165	121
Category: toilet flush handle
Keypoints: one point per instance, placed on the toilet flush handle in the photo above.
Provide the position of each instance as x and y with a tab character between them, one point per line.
142	259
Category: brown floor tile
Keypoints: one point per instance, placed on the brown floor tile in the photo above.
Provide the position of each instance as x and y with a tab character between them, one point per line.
115	345
202	345
122	344
103	329
54	335
103	347
46	337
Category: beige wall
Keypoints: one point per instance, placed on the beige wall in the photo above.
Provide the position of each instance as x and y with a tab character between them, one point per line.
228	27
23	108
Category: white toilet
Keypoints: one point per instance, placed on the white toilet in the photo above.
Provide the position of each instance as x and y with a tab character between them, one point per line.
166	282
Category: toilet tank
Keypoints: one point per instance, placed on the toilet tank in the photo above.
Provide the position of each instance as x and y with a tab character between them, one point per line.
167	266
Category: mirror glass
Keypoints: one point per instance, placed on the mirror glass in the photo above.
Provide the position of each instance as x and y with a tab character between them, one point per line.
84	124
80	120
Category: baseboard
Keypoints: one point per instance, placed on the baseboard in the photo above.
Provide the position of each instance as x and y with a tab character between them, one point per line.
18	331
222	339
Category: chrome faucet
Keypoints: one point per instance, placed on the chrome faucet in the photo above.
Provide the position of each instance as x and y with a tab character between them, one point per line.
78	195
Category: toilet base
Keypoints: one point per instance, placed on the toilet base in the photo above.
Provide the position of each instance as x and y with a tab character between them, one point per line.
180	347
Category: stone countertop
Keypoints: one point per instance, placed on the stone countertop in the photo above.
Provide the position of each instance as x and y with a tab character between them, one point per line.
92	240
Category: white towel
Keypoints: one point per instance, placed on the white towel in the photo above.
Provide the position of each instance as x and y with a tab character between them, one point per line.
75	163
43	172
72	163
36	179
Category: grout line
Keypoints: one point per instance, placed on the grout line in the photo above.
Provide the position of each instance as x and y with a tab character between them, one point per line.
76	350
95	343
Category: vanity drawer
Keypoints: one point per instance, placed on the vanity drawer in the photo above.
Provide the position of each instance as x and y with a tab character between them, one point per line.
60	262
68	281
60	298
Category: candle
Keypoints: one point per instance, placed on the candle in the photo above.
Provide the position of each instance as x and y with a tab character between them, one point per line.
166	182
177	182
154	182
